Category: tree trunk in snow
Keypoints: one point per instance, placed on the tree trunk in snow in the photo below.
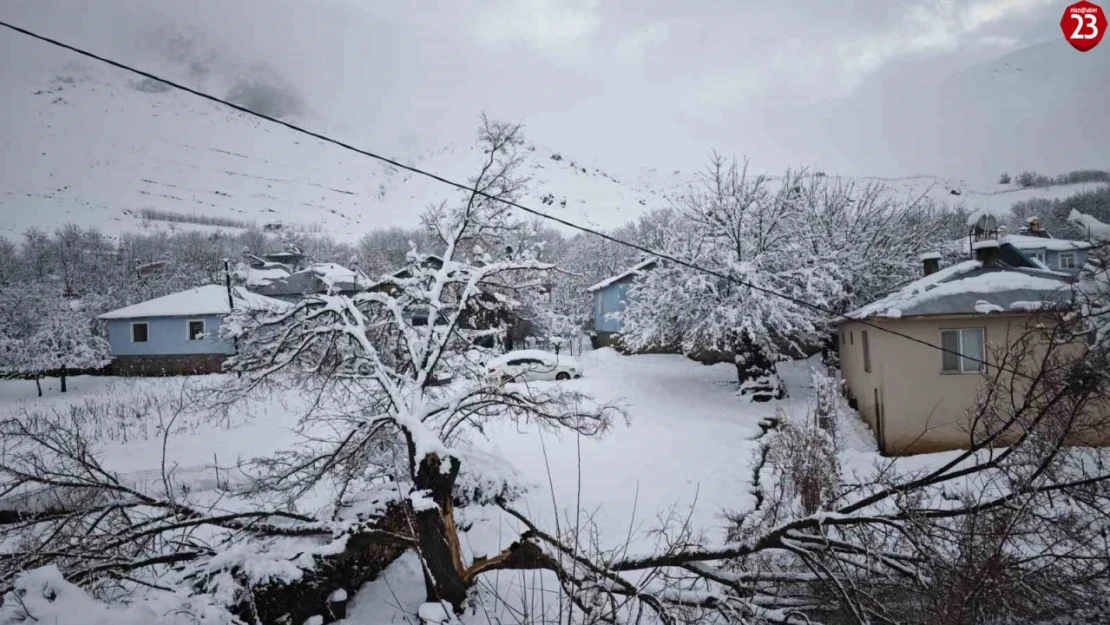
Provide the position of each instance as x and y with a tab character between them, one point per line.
756	372
63	376
366	556
38	385
437	537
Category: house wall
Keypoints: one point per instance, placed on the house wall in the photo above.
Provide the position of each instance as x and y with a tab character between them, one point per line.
167	336
919	409
609	299
1052	258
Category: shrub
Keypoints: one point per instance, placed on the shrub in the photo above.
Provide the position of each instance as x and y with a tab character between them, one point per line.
154	214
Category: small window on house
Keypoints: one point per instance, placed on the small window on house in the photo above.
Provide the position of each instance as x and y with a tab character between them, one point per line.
138	332
964	351
1068	261
866	351
196	329
1037	256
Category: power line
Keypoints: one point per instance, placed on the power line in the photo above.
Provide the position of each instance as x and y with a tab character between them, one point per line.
416	170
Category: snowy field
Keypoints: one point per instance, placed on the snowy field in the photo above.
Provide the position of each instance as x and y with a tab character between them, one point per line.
686	451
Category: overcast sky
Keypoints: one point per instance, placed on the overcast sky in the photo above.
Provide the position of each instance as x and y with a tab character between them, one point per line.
626	84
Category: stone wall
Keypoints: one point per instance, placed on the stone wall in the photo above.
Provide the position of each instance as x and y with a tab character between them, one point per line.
152	365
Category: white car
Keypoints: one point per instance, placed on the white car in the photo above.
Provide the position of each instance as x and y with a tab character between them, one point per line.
529	365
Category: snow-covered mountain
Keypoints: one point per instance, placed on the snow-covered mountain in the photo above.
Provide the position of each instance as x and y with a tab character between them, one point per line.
95	146
99	148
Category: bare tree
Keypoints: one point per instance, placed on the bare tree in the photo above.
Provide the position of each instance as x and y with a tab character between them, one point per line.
400	399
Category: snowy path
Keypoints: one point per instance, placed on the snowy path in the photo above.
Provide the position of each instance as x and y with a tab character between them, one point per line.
688	437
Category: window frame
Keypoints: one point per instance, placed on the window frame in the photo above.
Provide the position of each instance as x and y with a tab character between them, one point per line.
1069	254
1039	256
189	336
146	331
979	360
866	342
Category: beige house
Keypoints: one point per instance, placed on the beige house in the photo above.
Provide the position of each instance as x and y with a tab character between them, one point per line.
914	396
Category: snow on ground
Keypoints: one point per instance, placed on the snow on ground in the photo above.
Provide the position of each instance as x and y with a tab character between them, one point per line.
687	449
199	441
688	441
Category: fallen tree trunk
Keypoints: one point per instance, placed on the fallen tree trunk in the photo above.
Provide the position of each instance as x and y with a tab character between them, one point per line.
366	556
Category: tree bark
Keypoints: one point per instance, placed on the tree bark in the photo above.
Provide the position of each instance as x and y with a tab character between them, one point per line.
436	534
63	377
365	557
756	372
38	385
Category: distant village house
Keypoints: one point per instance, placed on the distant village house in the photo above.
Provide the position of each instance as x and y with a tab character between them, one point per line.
178	334
610	297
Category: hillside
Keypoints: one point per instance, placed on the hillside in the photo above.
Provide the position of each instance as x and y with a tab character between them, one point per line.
94	146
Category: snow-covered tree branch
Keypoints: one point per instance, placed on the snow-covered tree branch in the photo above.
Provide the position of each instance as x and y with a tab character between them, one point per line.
397	399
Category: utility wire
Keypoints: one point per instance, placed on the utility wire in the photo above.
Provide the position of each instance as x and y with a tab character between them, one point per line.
531	211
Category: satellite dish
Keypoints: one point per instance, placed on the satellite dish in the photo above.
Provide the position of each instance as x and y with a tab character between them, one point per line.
986	223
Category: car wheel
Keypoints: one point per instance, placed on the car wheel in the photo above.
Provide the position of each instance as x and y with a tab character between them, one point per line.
562	375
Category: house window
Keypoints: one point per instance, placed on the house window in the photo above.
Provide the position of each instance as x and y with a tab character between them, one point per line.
1068	261
196	329
1037	256
964	351
138	332
866	351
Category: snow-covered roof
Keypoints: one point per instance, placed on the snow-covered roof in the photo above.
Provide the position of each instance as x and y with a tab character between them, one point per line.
635	270
1025	242
254	276
316	278
203	300
334	272
970	288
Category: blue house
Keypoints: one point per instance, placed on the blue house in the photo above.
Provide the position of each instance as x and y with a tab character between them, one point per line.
610	296
177	334
1055	254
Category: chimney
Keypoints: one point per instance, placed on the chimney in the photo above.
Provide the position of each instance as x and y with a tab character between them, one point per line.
986	252
930	263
